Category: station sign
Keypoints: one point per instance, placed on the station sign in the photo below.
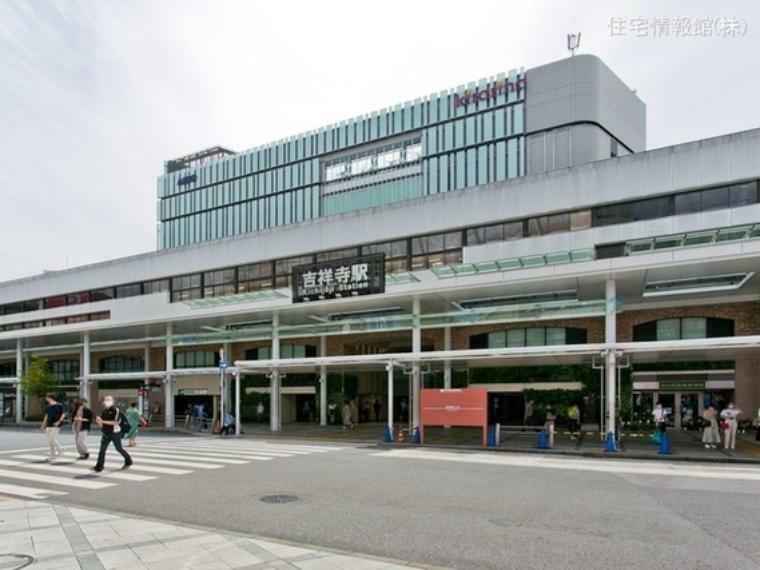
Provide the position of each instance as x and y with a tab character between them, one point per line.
347	277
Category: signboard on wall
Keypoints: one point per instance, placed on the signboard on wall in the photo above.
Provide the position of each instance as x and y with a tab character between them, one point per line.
462	407
348	277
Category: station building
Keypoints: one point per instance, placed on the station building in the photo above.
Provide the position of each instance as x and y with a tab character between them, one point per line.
513	233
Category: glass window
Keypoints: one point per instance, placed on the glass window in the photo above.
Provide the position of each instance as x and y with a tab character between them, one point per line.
580	220
650	209
538	226
156	286
612	214
559	223
284	267
389	158
78	298
389	248
361	165
743	194
186	287
688	203
535	337
555	335
218	283
714	199
515	337
669	329
102	294
692	327
337	254
513	230
54	302
128	290
414	152
497	339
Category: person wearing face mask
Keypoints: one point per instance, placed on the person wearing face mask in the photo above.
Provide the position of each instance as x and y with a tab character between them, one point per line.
729	415
109	421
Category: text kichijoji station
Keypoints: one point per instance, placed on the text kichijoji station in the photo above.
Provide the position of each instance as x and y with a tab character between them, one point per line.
512	234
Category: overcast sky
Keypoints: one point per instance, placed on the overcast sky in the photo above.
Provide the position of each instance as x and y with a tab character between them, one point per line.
95	95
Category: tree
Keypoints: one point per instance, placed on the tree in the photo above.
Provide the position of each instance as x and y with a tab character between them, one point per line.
38	380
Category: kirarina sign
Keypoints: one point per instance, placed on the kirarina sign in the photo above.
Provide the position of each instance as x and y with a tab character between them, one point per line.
501	87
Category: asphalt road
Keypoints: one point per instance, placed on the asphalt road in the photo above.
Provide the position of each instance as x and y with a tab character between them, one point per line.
463	509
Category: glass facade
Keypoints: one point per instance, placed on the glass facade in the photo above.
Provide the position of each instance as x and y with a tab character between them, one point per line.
446	141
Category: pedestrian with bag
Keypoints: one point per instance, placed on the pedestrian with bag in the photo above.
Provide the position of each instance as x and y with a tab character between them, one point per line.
135	419
81	428
51	425
113	425
710	433
729	416
660	416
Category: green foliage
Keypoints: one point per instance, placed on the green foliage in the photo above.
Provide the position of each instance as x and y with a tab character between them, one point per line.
38	380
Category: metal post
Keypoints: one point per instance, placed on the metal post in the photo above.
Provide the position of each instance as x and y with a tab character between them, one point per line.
389	368
237	402
168	380
416	349
323	383
19	386
145	404
610	325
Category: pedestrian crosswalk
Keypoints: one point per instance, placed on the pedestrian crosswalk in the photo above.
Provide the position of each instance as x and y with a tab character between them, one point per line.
28	474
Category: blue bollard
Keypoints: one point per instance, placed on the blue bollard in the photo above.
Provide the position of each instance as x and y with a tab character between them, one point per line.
664	444
491	442
609	443
543	440
415	435
388	435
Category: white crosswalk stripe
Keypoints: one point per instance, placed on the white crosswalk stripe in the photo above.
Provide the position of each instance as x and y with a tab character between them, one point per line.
153	458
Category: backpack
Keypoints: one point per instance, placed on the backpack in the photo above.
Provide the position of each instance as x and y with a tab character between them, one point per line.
124	425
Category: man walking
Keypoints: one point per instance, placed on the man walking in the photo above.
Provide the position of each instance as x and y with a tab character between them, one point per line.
109	422
81	427
51	425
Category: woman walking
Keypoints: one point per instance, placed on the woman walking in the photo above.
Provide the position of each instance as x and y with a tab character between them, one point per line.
710	434
81	427
135	419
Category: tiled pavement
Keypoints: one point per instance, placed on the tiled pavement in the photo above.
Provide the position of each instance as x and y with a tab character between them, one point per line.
39	535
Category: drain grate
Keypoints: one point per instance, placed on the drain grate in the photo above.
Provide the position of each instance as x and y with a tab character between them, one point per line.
23	560
278	499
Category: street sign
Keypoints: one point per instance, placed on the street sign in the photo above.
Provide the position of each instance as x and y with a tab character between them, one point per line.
223	364
348	277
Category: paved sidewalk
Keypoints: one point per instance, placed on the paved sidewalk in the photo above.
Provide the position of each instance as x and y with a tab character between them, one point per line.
38	536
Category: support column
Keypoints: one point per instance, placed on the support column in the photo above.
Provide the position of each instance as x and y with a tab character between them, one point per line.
85	368
416	371
275	404
447	363
19	374
389	368
145	400
237	402
323	383
610	327
169	380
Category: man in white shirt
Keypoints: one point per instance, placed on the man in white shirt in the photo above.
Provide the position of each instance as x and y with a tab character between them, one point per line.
660	416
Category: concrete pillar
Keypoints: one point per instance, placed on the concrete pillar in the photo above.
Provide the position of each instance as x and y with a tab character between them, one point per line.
27	364
389	368
19	374
238	421
447	363
86	359
416	371
610	327
323	383
275	400
169	380
144	402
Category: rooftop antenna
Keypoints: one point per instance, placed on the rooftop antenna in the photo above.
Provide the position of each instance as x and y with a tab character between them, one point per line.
573	41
